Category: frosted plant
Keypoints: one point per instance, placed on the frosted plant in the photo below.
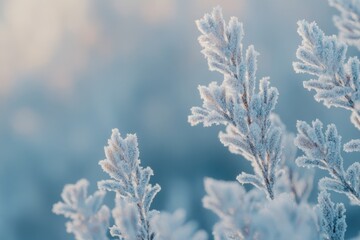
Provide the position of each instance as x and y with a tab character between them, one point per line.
129	180
89	218
132	215
236	102
348	22
323	150
332	217
253	131
337	83
174	227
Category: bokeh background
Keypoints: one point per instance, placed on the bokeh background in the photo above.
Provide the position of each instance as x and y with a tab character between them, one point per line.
70	71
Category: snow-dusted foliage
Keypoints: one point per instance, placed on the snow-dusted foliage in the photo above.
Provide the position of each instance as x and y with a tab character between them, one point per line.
277	206
249	215
237	103
174	227
89	218
130	181
331	217
323	150
132	215
337	83
348	22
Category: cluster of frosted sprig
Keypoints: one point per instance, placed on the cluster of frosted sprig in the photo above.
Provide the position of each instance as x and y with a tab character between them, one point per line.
348	22
89	218
337	83
323	150
236	102
134	194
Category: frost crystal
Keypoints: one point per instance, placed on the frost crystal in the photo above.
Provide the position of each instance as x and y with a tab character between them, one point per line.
236	102
89	218
323	150
130	181
348	22
337	83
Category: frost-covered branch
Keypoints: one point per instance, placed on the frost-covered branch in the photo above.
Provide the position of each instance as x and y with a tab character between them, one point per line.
331	218
323	150
337	83
89	218
348	22
130	181
236	102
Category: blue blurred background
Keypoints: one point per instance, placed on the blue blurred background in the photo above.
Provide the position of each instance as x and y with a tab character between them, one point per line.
70	71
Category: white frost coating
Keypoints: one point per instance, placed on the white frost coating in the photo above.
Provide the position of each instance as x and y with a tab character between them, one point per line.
348	22
237	103
89	218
